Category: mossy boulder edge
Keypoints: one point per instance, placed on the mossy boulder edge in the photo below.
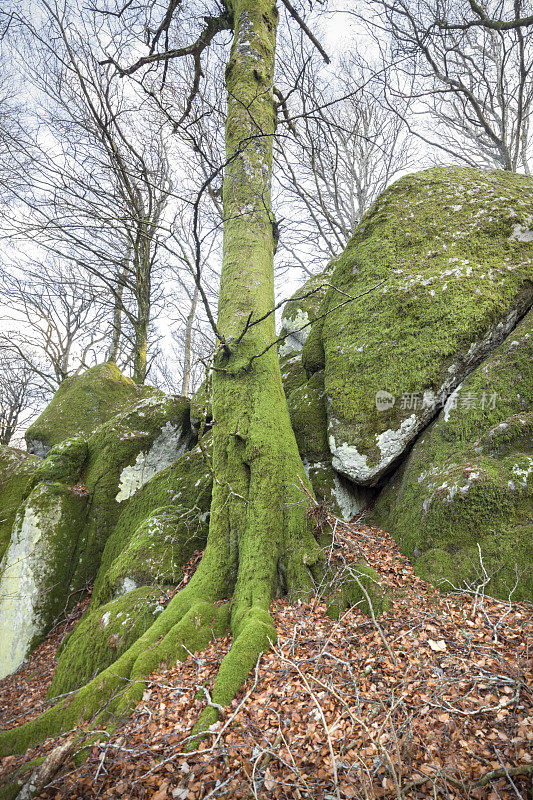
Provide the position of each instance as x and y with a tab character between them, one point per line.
82	403
448	257
461	506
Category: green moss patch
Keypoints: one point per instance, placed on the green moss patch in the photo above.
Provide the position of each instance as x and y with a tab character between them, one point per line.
358	585
159	530
449	252
64	462
462	506
82	403
102	636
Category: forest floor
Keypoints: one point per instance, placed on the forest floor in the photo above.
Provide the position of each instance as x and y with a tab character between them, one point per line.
429	700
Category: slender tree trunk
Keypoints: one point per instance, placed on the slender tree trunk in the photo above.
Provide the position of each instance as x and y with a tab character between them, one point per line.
258	535
143	297
188	344
112	353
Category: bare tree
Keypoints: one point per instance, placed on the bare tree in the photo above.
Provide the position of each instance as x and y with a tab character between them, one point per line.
52	320
343	153
20	395
100	180
472	69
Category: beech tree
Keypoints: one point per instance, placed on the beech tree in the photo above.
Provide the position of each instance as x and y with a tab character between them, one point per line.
260	542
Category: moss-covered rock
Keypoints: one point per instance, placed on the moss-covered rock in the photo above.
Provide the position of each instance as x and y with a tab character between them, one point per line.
82	403
461	507
16	473
293	374
449	251
308	418
81	488
124	454
64	462
102	636
36	571
301	310
159	530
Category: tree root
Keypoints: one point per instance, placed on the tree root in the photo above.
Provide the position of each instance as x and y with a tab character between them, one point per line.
186	624
256	634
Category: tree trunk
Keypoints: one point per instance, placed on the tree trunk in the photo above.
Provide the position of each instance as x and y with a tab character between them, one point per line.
258	535
188	344
112	353
259	543
143	297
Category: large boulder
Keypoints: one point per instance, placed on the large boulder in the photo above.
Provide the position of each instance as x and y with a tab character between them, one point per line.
82	403
78	492
123	455
36	570
16	472
443	261
159	529
156	534
461	507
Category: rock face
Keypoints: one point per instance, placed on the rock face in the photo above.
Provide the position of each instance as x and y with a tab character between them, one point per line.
82	403
36	569
159	529
462	504
301	310
156	534
307	410
447	256
16	472
74	498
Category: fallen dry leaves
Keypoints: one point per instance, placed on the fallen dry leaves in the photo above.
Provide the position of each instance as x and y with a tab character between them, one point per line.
328	713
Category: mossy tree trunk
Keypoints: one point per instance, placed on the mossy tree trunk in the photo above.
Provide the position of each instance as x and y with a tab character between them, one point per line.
143	290
259	542
258	533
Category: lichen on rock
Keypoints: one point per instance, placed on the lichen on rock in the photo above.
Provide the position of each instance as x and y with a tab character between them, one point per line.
37	568
158	530
16	473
